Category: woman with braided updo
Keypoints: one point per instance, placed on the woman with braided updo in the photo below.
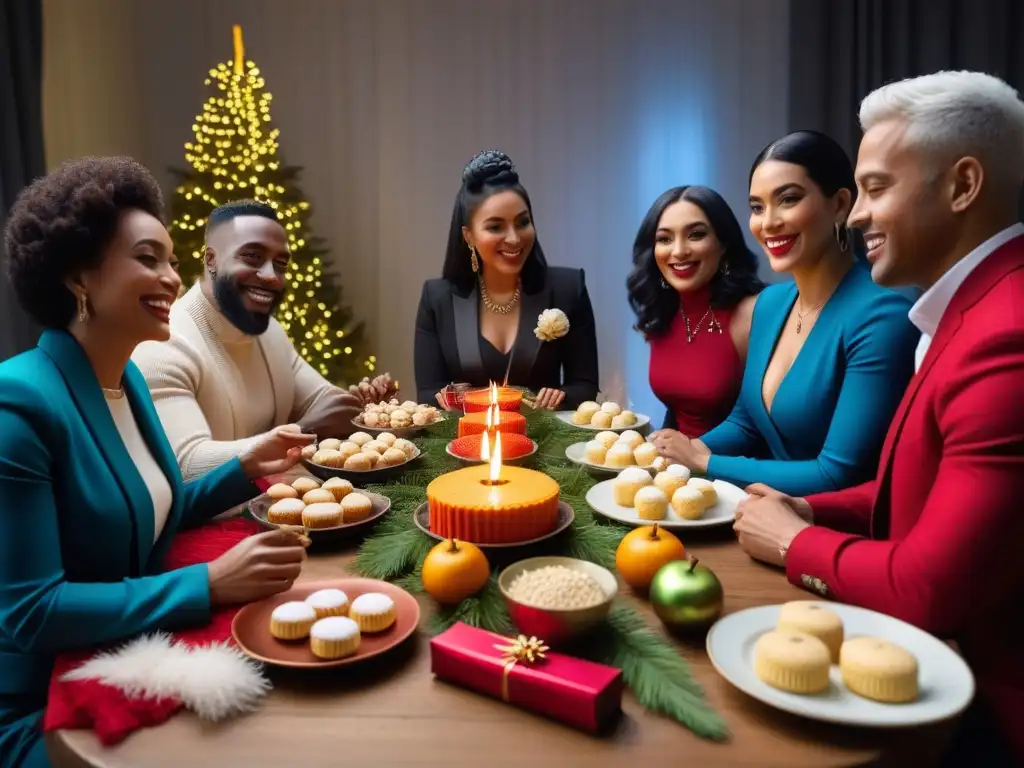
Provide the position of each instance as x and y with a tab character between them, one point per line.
481	318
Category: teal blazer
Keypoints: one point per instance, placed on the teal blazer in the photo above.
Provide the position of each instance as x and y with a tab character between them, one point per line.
78	564
831	412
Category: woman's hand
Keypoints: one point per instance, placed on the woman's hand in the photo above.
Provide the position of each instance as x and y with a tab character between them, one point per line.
549	399
275	451
379	389
258	567
678	448
765	527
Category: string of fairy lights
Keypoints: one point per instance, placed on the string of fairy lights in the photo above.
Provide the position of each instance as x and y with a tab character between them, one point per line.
235	144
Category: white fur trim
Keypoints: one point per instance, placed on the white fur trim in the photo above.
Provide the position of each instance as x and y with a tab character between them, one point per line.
214	681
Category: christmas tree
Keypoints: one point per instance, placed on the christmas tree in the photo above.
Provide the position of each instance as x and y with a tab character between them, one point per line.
235	155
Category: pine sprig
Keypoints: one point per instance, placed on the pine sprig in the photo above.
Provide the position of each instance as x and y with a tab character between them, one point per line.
392	555
596	543
655	672
484	610
652	667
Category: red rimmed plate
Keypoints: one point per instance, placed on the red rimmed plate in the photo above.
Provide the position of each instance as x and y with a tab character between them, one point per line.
251	626
469	461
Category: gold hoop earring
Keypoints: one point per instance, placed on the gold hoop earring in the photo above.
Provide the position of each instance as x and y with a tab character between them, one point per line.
473	260
842	237
83	308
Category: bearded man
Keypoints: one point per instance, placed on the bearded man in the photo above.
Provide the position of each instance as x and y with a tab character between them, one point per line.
229	373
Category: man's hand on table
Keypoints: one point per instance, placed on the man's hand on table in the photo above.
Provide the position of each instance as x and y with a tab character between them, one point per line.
332	414
768	521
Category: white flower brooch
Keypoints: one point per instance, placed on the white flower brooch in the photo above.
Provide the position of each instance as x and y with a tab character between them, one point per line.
551	324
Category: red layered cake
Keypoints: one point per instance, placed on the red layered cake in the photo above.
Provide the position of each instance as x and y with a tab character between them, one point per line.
508	399
513	446
508	422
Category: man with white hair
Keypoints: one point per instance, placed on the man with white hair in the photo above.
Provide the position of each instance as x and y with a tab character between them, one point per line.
936	538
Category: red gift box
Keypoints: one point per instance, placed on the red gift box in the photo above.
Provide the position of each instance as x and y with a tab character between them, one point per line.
523	672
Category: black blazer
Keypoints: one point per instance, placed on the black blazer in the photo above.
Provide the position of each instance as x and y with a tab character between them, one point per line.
447	348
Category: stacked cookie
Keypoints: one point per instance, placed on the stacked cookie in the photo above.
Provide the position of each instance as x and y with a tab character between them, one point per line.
333	625
314	506
797	657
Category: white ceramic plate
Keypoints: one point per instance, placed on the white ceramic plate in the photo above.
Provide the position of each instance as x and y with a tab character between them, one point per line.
601	498
577	454
566	416
946	683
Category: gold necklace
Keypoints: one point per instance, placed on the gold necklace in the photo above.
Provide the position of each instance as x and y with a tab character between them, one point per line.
113	394
713	326
801	315
493	306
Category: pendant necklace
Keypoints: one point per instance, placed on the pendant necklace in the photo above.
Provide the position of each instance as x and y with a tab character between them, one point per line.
801	315
713	326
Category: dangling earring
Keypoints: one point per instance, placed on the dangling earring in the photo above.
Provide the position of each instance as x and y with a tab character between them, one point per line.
213	273
725	269
664	285
842	237
83	308
473	261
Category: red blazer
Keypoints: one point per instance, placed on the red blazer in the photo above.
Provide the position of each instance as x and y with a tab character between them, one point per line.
937	539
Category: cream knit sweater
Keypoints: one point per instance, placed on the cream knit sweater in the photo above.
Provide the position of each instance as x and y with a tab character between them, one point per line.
216	388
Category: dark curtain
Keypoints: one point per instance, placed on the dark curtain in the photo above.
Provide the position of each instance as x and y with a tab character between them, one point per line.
840	50
21	140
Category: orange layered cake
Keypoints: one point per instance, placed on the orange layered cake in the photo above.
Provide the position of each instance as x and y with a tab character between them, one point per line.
522	505
479	401
509	422
513	446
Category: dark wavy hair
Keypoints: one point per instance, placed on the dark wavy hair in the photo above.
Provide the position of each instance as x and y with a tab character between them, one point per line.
488	173
61	223
654	305
826	164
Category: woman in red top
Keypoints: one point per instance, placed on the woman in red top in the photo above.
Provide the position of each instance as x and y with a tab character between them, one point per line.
693	287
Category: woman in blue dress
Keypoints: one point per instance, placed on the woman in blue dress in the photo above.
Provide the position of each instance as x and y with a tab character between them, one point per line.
830	353
90	491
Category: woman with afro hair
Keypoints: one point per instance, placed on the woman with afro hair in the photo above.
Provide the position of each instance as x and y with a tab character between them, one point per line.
90	492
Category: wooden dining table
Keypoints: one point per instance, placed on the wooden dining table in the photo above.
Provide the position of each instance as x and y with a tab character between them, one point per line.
391	711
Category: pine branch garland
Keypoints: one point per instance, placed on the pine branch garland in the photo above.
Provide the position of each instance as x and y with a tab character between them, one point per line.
652	670
651	666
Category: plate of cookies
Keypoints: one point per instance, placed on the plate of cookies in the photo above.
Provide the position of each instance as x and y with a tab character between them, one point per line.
400	419
326	624
361	458
611	452
672	498
327	509
840	664
604	416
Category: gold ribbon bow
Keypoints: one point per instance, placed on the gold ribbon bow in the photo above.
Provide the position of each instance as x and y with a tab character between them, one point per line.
526	650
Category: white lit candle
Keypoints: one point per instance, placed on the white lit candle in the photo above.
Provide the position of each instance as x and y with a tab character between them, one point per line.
494	497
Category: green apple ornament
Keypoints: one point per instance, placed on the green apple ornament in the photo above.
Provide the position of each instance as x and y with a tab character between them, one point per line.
685	595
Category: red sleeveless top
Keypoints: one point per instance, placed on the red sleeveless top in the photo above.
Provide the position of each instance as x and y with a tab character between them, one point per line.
698	381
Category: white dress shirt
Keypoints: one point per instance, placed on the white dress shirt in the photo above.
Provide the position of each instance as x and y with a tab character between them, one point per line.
929	309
